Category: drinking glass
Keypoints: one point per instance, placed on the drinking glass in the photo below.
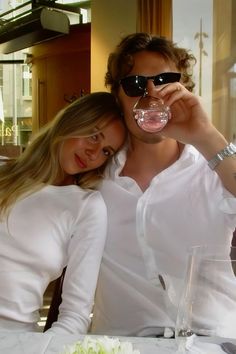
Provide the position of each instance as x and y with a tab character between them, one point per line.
151	114
208	303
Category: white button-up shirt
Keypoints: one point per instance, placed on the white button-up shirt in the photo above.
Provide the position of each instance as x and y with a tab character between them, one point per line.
149	233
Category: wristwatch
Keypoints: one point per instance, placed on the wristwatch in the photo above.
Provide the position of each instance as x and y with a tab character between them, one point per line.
228	151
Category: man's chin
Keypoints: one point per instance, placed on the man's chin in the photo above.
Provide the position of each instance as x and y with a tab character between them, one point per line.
149	138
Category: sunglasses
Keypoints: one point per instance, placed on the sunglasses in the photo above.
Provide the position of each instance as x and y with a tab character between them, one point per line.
136	85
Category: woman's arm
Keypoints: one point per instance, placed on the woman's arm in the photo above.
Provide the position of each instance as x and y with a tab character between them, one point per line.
84	257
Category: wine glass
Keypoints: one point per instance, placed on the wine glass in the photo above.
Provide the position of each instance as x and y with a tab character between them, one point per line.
151	114
208	304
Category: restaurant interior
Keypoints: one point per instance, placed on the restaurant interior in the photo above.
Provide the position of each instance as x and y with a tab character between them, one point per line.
54	51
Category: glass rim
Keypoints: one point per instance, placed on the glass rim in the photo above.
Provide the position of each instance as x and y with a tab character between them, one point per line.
205	246
211	250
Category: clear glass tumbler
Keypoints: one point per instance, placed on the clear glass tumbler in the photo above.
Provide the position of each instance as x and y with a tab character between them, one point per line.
208	304
151	114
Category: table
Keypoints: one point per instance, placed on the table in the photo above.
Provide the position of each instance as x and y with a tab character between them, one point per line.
43	343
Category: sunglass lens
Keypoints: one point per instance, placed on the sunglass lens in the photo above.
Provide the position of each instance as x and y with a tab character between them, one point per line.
134	85
166	78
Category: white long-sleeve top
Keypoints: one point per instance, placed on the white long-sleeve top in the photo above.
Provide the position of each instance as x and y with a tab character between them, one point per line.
46	231
149	233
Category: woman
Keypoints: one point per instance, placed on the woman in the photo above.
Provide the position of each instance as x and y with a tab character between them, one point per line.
50	217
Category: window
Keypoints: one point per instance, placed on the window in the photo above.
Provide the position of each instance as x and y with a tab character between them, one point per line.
26	82
212	39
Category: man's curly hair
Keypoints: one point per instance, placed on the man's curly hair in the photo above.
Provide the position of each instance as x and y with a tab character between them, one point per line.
121	61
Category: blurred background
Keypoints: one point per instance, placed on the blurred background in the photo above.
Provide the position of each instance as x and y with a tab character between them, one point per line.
53	51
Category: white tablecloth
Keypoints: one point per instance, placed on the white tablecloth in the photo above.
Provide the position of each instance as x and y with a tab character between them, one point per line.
39	343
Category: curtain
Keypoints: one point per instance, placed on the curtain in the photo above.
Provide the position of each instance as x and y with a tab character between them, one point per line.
223	75
155	17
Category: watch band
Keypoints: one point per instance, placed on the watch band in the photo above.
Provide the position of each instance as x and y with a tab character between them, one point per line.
228	151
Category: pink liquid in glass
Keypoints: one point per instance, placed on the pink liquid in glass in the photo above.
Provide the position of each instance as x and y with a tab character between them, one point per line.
152	120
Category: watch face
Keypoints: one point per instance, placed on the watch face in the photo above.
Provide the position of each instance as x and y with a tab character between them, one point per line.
229	150
226	152
232	147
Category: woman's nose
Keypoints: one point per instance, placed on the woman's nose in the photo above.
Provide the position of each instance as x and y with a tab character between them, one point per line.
93	152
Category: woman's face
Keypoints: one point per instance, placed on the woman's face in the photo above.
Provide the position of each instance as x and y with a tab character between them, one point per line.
87	153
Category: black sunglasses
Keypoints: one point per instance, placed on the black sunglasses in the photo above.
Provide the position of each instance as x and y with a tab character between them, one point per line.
136	85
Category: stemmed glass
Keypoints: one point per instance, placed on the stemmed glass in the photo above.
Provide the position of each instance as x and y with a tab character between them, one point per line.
151	114
208	304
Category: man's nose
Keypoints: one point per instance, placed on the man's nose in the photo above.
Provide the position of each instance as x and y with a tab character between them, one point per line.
150	87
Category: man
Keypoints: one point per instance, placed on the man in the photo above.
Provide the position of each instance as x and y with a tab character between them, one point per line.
162	193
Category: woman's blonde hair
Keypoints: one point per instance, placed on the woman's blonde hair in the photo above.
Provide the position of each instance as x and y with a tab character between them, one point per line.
39	163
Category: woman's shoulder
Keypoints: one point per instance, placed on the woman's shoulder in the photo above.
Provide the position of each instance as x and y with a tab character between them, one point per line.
67	201
69	189
73	193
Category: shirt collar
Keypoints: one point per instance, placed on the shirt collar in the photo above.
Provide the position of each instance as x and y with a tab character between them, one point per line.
188	156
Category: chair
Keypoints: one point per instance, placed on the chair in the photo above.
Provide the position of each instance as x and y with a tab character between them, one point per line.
11	150
55	302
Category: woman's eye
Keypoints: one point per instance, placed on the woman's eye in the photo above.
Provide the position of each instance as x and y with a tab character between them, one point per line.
94	138
107	152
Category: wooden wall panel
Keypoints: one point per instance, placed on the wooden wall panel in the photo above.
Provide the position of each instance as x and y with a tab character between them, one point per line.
60	73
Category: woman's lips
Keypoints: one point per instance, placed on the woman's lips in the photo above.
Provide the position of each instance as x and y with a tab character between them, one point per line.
80	162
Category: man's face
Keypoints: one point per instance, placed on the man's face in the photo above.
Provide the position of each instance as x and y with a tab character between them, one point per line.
146	64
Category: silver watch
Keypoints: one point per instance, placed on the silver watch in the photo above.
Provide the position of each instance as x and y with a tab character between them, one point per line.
229	150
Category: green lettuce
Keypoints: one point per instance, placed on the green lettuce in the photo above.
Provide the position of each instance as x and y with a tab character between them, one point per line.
100	345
